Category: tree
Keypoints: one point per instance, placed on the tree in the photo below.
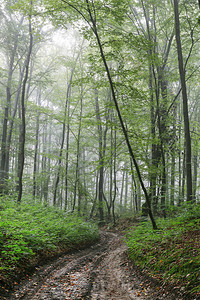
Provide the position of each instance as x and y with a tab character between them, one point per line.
8	118
102	134
21	156
135	110
185	104
91	20
64	128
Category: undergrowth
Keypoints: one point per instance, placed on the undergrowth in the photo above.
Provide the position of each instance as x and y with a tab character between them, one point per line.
30	231
172	253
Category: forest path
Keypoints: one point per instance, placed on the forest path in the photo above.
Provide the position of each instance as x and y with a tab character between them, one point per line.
99	272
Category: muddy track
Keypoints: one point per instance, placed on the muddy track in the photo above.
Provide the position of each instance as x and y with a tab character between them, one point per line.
99	272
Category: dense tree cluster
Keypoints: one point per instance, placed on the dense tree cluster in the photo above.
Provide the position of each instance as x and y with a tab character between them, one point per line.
99	103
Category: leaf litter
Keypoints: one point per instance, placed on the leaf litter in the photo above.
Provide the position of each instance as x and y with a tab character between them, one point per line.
102	272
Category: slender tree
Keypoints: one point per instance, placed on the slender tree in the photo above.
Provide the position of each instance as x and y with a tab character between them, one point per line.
35	163
102	135
92	21
23	96
185	103
7	132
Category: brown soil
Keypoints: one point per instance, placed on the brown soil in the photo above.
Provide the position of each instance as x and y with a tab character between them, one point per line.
102	272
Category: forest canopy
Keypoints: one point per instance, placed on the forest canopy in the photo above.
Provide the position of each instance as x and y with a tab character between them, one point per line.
99	104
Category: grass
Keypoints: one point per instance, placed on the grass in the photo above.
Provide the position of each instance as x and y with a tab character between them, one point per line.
31	232
171	254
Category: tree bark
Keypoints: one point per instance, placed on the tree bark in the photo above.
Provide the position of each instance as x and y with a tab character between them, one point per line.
120	116
121	120
67	155
93	25
5	146
102	142
185	104
122	190
77	176
36	148
64	128
173	161
23	126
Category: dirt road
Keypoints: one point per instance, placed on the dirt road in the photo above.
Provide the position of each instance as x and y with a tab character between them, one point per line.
99	272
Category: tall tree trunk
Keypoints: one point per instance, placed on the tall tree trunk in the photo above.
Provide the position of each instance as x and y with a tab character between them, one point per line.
111	167
113	185
195	166
86	193
183	178
120	118
154	153
126	191
46	163
156	72
122	190
134	188
23	126
180	154
185	104
5	147
67	155
115	177
94	27
12	118
36	148
64	128
102	145
77	176
173	161
96	196
163	171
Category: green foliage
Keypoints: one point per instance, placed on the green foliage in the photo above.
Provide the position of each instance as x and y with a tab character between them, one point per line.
31	230
172	252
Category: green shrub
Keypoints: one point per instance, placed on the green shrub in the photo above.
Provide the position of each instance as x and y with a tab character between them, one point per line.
31	229
173	251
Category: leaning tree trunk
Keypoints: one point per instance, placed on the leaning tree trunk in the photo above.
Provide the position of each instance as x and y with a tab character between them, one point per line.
120	117
92	22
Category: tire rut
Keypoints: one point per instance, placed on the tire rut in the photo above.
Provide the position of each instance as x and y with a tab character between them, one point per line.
100	272
52	280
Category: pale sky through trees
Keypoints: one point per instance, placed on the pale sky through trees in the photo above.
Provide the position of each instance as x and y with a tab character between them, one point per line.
67	79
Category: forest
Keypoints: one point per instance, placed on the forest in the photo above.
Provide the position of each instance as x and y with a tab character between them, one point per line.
99	123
